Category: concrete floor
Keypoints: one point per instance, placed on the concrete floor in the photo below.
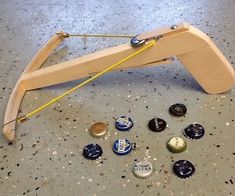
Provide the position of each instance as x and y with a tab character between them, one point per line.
47	156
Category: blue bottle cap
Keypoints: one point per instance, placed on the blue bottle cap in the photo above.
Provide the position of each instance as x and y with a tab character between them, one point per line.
183	168
194	131
124	123
122	147
92	151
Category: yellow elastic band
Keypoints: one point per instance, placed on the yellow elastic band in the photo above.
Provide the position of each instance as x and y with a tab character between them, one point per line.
100	35
88	80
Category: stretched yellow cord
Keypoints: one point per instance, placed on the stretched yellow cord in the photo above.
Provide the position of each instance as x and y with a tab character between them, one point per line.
100	35
66	35
23	118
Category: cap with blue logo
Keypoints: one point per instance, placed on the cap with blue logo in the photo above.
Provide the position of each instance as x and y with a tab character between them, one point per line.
122	147
194	131
183	168
124	123
92	151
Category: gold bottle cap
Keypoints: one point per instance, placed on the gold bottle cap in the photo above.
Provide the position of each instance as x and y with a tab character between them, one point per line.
98	129
176	145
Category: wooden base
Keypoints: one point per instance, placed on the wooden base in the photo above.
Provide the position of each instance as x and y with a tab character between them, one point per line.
192	47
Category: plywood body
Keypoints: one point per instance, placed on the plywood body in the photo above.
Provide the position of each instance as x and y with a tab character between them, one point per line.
192	47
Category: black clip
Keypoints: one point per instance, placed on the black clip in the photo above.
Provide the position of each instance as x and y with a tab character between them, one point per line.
135	43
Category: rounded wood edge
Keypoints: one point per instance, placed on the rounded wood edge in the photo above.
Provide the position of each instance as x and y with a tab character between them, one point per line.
19	90
11	111
9	131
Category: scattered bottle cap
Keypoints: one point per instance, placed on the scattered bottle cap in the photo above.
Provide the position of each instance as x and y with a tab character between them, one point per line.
183	168
157	124
178	110
142	169
124	123
122	146
98	129
194	131
176	145
92	151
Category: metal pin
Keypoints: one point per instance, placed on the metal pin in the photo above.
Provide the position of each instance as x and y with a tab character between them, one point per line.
19	119
22	119
62	34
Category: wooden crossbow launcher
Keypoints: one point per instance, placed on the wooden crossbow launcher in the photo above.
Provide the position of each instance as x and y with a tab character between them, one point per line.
192	47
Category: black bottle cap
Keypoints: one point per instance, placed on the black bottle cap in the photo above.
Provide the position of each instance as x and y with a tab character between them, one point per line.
183	168
177	110
92	151
194	131
157	124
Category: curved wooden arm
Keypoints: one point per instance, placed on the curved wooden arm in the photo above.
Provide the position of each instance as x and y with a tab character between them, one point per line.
192	47
19	90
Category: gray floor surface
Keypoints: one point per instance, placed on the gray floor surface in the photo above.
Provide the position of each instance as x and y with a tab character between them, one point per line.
46	158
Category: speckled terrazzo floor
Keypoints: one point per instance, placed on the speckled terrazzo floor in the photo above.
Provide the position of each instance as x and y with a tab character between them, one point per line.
47	156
